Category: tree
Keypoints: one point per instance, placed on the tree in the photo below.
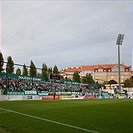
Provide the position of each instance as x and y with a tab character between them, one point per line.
50	70
10	65
18	71
131	78
88	78
33	71
1	62
76	76
55	70
128	82
112	82
25	70
44	71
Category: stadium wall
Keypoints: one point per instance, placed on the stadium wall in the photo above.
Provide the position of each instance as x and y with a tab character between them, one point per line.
36	97
19	97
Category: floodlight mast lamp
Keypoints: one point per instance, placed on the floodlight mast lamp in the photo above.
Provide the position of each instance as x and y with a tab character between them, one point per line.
119	42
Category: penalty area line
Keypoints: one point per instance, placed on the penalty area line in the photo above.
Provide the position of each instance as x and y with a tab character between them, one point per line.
51	121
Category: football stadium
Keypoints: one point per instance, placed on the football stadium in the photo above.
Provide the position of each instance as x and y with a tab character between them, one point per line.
34	105
91	91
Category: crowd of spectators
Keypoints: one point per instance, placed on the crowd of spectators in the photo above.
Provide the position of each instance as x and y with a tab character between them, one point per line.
21	85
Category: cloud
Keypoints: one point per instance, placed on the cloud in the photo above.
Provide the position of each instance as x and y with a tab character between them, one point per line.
66	33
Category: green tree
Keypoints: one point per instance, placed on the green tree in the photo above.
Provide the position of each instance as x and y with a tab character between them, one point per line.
131	78
112	82
25	70
88	78
50	70
127	83
10	65
18	71
44	71
76	76
84	79
1	62
33	71
55	70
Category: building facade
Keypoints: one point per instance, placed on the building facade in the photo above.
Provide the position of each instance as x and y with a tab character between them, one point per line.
101	73
109	72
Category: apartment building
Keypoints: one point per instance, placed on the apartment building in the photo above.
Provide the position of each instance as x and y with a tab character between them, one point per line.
109	72
100	73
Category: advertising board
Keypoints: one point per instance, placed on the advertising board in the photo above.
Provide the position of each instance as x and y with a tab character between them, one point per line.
89	97
15	93
30	92
14	97
30	97
50	97
43	93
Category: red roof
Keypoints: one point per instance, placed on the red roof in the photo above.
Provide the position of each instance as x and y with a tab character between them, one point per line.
91	68
73	69
104	65
83	68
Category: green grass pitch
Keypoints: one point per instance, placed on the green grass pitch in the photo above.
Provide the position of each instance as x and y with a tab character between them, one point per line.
67	116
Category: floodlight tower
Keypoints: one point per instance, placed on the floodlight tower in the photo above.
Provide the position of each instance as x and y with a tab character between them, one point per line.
119	42
6	80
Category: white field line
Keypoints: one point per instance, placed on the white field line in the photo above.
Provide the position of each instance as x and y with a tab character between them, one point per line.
56	122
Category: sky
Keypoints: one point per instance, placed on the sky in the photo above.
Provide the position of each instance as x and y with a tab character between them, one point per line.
66	33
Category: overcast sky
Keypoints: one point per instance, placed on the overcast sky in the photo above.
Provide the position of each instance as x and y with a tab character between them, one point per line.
66	33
